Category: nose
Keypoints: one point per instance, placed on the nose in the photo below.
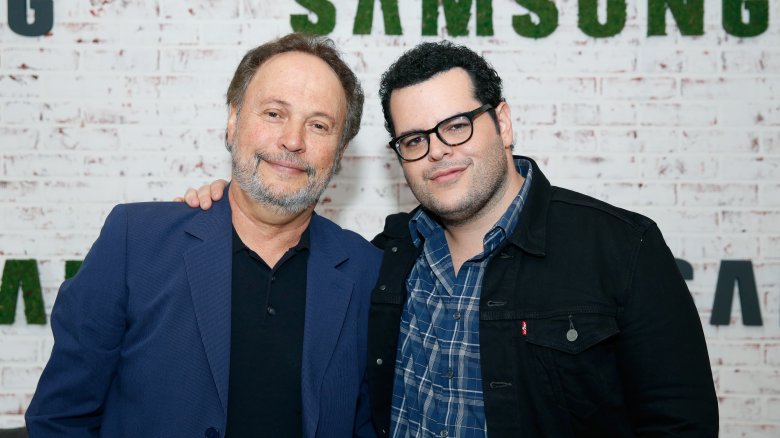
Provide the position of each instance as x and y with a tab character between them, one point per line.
437	149
293	137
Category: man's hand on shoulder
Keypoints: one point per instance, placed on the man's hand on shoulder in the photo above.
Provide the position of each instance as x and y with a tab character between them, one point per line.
203	196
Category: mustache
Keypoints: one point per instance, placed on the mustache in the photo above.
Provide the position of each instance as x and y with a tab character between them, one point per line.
287	157
442	165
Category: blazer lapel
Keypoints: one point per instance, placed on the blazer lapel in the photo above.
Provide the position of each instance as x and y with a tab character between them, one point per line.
209	271
328	292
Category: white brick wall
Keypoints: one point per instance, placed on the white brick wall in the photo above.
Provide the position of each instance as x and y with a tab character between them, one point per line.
123	102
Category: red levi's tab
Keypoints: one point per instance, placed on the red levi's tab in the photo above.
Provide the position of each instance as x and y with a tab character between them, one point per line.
524	328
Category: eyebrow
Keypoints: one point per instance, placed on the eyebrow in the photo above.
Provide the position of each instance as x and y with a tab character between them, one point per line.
287	104
412	131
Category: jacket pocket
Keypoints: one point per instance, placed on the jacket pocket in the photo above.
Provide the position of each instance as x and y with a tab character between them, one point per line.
573	353
570	332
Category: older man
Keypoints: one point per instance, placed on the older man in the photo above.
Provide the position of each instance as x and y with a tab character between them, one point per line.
246	320
509	307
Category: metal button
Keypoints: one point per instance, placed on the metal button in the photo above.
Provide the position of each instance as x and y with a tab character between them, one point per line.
271	311
456	316
379	361
394	249
382	287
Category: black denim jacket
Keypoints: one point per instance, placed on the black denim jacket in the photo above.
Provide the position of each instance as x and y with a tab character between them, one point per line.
638	365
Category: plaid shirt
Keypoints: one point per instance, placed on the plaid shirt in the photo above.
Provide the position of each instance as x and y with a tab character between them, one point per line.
438	381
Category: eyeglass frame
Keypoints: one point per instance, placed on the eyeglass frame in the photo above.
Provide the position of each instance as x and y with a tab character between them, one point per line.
470	115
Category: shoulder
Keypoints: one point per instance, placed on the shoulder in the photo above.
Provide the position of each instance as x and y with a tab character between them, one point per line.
349	240
396	227
575	206
152	219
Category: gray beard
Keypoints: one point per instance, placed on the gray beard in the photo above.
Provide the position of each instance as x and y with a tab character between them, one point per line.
246	175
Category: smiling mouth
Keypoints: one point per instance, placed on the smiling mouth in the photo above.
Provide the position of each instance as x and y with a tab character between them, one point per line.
281	165
286	166
447	175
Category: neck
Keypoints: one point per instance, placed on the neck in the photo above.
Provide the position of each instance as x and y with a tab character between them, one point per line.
465	239
264	229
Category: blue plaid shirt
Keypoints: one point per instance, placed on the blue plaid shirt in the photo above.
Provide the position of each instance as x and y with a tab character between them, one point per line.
438	380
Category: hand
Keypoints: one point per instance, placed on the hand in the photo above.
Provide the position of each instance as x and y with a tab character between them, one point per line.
203	196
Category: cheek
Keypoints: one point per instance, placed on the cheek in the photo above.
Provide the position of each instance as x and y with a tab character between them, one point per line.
254	133
323	157
411	172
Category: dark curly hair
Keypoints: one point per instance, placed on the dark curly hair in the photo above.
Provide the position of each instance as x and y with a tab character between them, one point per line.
426	60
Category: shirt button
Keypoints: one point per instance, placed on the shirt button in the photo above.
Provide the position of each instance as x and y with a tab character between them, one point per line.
379	361
273	278
456	316
271	311
394	249
382	287
444	434
450	374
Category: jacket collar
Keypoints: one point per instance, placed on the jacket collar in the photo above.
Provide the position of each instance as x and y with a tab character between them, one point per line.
531	231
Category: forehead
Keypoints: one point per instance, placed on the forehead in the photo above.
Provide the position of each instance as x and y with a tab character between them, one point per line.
422	105
301	79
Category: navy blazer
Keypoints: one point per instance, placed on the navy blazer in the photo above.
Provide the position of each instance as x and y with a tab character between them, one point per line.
142	332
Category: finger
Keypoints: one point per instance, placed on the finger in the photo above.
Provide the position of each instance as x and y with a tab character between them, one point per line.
217	188
191	198
204	197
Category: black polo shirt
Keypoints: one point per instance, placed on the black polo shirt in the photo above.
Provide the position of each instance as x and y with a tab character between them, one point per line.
266	342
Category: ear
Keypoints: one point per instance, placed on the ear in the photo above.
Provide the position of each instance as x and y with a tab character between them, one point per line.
504	115
231	124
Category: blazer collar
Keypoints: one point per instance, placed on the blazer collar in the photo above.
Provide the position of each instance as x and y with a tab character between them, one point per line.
328	295
209	271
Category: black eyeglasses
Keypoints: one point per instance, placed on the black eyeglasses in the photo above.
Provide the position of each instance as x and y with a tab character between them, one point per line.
452	131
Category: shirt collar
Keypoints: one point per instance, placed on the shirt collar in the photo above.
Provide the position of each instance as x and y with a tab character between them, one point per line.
238	244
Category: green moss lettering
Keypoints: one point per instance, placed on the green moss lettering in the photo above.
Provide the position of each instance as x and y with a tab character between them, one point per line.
589	19
758	21
72	267
21	274
326	17
485	17
689	15
547	22
365	17
457	14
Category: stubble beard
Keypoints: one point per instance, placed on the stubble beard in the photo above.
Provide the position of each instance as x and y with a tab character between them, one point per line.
250	181
486	191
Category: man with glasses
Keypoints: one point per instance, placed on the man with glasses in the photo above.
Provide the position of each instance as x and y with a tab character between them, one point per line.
507	307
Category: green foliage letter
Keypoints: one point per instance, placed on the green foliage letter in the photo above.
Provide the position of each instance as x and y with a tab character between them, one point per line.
758	11
326	17
589	18
689	15
24	274
547	12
